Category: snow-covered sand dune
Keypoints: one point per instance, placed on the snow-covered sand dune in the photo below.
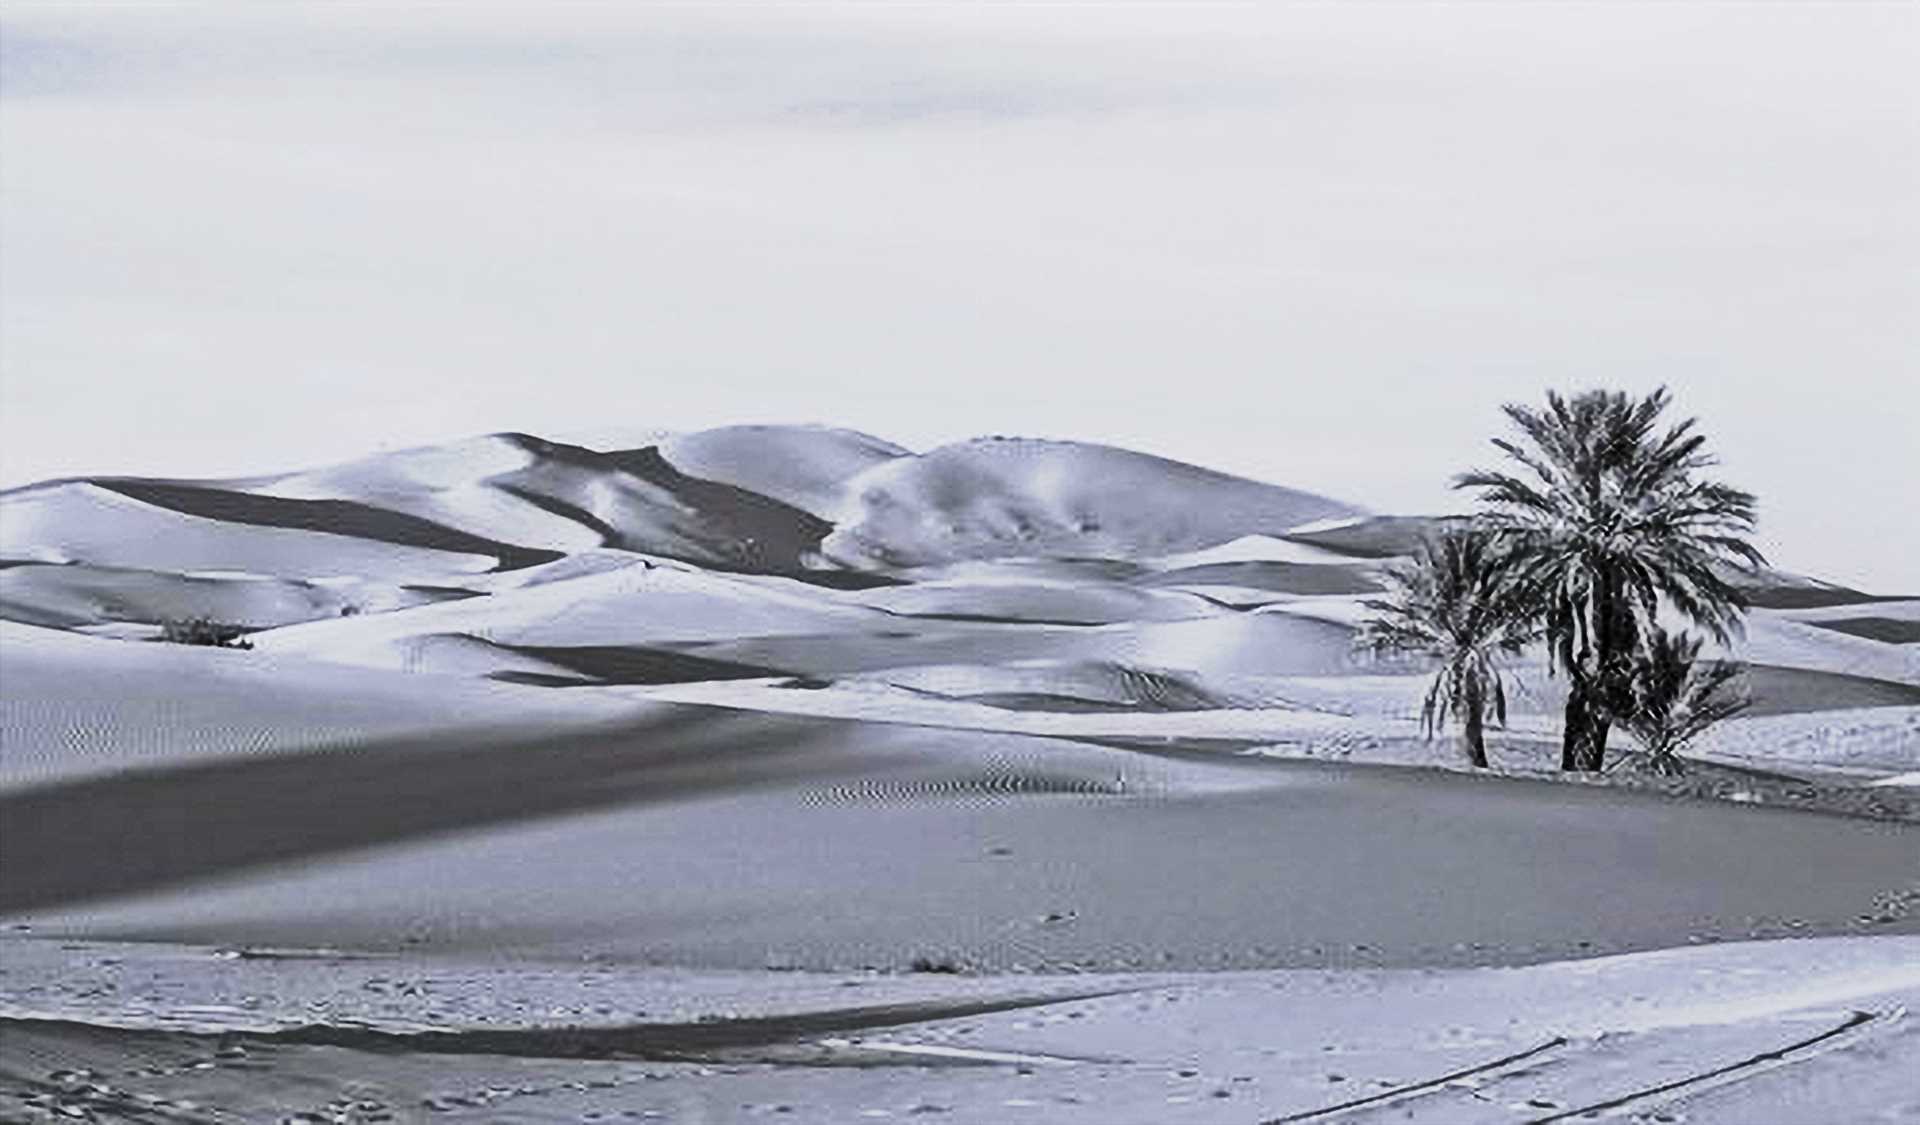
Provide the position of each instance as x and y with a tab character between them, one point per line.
79	596
1040	601
472	815
130	527
542	494
639	603
1015	496
75	706
1806	1032
795	698
808	467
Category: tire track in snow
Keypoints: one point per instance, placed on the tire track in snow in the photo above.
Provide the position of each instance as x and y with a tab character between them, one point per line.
1856	1026
1418	1089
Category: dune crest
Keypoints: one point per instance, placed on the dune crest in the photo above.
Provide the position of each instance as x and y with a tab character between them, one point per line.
790	697
999	497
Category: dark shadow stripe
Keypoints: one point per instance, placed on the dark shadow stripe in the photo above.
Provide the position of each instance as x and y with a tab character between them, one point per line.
104	836
661	1042
1273	576
1812	597
628	664
333	517
1779	690
1889	630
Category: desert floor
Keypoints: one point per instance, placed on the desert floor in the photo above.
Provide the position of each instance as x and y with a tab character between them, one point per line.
680	784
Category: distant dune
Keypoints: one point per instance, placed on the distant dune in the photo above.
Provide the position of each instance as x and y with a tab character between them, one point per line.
808	467
998	497
639	603
537	493
819	553
1011	746
99	524
79	596
1038	600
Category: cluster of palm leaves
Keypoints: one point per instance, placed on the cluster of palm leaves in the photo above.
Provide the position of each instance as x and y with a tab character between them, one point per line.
1455	602
1673	696
1604	529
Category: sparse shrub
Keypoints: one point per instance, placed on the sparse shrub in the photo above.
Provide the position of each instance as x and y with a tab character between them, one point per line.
206	632
1672	697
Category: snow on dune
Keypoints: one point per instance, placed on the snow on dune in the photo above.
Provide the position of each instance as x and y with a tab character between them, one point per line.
1068	685
1169	708
76	595
79	706
86	522
1253	548
466	485
1260	643
614	437
1783	590
1001	497
1025	569
1252	644
1892	621
713	837
1889	609
1374	537
1015	599
1867	741
807	467
1032	571
636	604
982	744
1893	630
579	564
1773	638
1776	690
537	493
452	654
1787	1032
634	728
1285	578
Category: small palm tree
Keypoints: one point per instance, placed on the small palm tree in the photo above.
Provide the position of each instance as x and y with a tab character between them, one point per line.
1608	521
1453	602
1673	696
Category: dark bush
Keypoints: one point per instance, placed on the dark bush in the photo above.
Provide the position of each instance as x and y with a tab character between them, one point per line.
204	631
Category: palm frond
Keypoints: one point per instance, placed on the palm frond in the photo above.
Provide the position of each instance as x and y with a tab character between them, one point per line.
1673	696
1458	603
1609	521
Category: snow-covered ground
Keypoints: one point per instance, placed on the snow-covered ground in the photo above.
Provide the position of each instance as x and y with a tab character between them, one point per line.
641	780
1803	1032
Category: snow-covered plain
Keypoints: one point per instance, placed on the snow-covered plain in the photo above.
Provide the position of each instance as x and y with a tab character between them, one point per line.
785	767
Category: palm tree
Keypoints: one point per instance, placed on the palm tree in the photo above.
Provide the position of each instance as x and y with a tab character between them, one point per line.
1607	522
1452	602
1674	695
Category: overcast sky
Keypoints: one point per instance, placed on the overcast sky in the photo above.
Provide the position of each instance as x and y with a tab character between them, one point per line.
1316	244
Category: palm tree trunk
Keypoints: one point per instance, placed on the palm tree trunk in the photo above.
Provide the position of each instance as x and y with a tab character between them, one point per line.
1476	745
1583	747
1594	760
1572	731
